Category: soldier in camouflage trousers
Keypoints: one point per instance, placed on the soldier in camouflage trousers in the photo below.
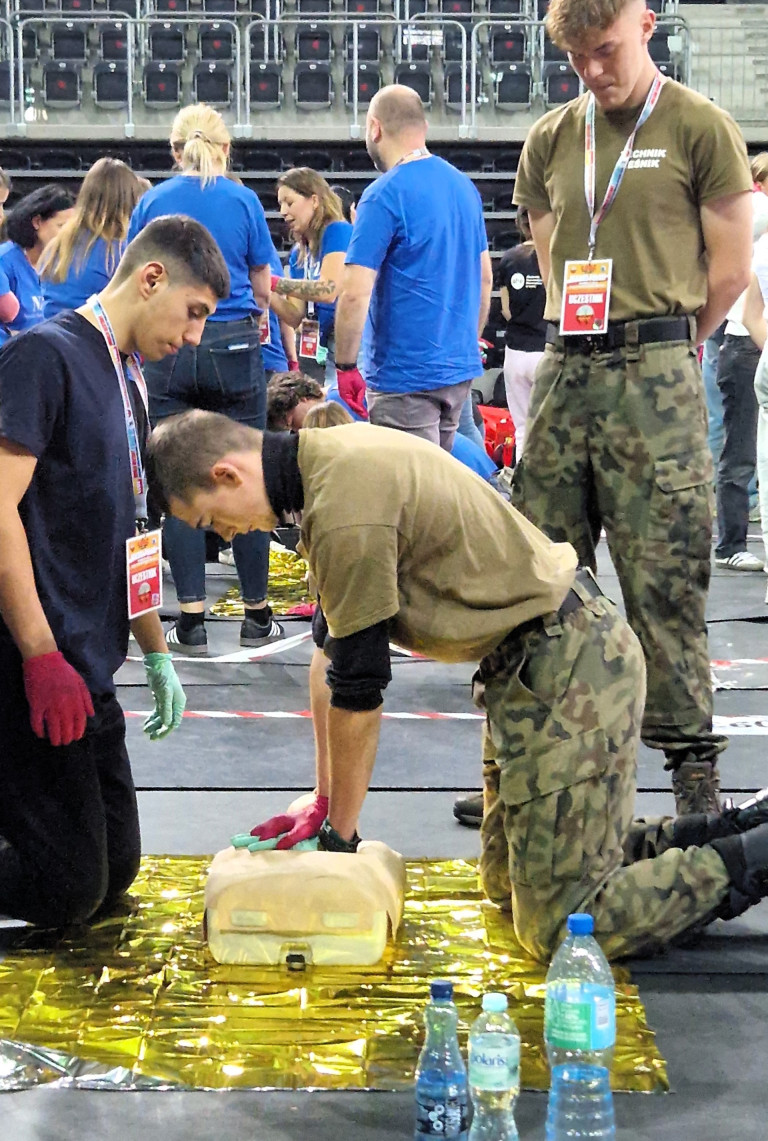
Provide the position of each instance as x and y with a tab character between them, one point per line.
564	703
619	439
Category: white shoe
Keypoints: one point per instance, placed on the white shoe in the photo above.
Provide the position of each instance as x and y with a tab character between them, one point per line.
227	557
741	561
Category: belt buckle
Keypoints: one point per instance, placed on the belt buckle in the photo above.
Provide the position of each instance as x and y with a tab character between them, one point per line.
595	342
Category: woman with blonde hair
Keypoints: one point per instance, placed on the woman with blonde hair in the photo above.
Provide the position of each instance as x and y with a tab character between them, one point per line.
83	256
225	373
306	296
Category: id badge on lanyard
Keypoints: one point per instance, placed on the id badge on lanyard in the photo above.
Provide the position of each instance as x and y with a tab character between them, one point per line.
143	551
587	284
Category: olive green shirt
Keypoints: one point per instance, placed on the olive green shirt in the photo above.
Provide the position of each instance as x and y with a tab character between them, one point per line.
394	528
687	153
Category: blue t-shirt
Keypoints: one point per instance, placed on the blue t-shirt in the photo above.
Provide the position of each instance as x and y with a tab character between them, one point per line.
232	214
78	510
17	276
334	239
83	277
273	354
420	226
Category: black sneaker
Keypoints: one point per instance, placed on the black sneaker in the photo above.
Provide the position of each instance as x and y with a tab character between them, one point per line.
254	634
468	810
192	642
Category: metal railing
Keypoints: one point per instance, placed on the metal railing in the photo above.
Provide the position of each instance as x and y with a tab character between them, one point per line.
729	64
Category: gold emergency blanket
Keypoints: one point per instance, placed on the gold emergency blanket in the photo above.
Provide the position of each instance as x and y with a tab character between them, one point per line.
287	586
139	999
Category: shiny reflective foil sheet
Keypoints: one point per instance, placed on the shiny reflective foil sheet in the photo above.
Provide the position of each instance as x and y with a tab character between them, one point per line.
137	1002
287	586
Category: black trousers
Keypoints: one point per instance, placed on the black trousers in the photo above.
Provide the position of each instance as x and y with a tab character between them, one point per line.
69	823
736	369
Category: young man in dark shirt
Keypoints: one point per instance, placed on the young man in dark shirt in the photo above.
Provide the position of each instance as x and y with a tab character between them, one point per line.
72	428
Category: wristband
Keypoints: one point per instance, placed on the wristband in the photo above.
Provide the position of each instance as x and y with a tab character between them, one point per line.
346	367
330	840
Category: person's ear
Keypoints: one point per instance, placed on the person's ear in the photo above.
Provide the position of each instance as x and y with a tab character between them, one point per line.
37	222
151	276
648	23
226	474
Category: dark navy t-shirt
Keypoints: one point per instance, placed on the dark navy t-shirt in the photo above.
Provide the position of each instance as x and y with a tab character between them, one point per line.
421	227
60	399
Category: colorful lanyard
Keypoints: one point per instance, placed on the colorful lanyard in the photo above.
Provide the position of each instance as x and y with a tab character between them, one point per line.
651	100
136	375
420	152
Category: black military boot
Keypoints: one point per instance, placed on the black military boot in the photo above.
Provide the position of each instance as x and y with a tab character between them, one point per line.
468	810
699	828
696	785
746	860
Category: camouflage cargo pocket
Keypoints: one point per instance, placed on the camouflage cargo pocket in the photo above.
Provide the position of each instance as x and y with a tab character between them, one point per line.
681	505
560	830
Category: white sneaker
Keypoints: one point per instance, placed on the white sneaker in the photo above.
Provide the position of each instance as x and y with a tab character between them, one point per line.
741	561
227	557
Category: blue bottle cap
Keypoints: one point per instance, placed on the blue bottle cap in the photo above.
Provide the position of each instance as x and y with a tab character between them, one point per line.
580	924
495	1003
441	990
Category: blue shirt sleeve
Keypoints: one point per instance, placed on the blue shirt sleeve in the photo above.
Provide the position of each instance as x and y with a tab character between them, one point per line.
137	223
5	284
374	229
28	412
335	239
260	244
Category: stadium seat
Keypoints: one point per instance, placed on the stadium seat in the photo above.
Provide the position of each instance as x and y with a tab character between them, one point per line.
561	83
368	83
179	7
455	9
110	85
368	44
452	43
454	78
27	7
162	85
314	158
257	158
76	6
269	11
212	83
113	41
266	85
512	89
507	44
356	160
418	76
553	53
658	47
313	42
312	85
411	8
5	86
124	7
313	7
266	42
464	160
61	84
215	42
362	7
29	44
504	8
167	43
220	7
53	158
69	41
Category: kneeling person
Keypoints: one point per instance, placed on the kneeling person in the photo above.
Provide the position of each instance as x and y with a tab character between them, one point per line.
561	674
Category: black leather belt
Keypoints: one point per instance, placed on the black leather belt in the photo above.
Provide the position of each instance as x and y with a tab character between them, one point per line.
572	600
651	331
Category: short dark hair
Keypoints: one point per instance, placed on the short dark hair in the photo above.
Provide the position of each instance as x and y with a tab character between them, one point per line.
347	200
43	203
188	251
284	391
183	450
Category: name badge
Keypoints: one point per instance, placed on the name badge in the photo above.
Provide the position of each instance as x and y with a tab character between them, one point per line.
143	554
265	332
309	340
586	297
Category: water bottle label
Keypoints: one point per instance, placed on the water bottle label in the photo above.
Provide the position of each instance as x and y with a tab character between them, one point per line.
571	1023
494	1067
441	1117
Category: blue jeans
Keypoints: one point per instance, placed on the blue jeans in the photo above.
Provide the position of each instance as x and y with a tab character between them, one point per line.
467	425
224	374
709	360
739	358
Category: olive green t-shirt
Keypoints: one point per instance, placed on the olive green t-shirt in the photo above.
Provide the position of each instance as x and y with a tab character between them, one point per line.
687	153
394	528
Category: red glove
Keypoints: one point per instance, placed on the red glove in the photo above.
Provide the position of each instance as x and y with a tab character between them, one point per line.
59	701
273	280
301	821
352	390
293	366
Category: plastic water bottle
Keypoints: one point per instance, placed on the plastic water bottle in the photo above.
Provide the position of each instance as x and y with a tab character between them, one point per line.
441	1078
494	1071
580	1032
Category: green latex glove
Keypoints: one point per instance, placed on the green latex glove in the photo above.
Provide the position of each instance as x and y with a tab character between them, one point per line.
245	840
170	699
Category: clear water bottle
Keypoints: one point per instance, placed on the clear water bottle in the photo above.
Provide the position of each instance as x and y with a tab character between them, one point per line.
580	1032
494	1071
441	1077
